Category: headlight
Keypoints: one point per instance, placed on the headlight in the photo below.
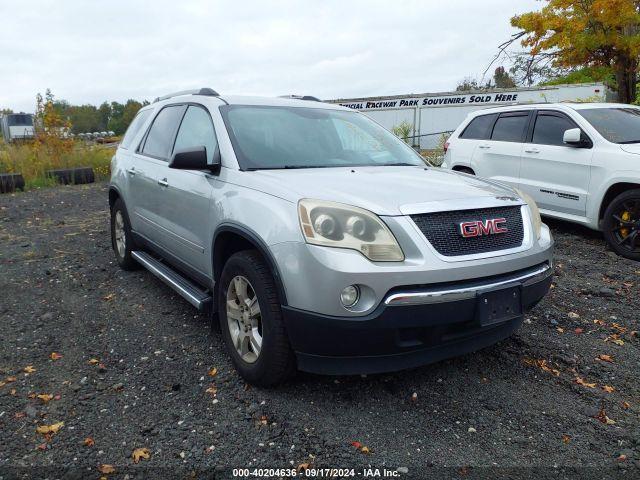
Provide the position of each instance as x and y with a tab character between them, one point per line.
535	213
343	226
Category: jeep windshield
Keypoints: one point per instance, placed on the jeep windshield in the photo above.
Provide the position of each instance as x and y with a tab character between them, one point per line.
618	125
268	137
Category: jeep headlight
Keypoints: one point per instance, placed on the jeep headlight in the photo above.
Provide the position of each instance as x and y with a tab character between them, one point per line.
535	212
343	226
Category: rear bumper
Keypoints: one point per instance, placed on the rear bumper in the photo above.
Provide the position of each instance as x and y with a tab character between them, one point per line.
412	327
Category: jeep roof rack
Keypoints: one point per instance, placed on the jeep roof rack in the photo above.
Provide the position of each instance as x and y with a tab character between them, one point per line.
302	97
200	91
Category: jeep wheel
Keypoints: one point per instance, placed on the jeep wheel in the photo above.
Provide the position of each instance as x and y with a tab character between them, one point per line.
121	238
251	321
622	224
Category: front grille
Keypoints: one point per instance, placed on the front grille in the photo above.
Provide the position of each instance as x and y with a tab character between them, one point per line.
442	230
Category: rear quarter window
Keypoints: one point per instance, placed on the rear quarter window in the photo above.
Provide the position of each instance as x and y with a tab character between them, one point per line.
479	128
137	123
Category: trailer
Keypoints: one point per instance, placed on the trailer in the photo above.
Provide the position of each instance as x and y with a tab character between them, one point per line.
432	115
17	126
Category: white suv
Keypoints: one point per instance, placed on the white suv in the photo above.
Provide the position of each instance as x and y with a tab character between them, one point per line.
579	162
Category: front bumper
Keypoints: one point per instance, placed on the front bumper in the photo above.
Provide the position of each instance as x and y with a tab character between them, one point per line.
412	326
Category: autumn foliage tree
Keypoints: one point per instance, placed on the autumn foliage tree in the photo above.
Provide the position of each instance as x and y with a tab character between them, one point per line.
587	33
52	131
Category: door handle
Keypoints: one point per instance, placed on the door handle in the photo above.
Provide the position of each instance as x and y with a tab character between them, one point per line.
532	150
484	147
132	171
163	182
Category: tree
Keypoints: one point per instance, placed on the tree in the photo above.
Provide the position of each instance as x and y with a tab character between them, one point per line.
502	79
470	83
586	33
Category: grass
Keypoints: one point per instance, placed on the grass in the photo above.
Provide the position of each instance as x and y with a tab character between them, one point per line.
33	163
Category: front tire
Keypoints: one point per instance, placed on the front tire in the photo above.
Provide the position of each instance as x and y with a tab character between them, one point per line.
251	321
622	224
121	237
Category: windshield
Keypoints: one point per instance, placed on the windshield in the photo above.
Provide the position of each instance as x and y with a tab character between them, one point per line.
618	125
266	137
19	120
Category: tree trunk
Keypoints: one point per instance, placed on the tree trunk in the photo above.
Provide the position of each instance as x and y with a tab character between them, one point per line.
626	77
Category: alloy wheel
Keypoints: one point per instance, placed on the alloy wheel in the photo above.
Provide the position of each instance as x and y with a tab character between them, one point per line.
244	319
120	235
626	226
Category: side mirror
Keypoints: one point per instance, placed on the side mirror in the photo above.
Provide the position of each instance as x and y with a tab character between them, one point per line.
573	137
194	159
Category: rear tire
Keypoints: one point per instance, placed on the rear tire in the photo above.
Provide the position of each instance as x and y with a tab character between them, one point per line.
465	170
256	339
621	224
121	237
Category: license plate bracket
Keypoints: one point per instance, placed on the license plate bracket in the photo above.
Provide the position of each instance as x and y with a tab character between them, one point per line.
498	306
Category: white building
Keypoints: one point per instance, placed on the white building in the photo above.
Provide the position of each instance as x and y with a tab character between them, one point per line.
431	114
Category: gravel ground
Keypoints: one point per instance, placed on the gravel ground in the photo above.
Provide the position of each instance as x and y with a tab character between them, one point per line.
135	360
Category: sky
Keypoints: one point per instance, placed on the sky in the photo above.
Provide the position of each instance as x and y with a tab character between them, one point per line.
90	51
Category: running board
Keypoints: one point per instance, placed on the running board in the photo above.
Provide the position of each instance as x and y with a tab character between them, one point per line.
187	289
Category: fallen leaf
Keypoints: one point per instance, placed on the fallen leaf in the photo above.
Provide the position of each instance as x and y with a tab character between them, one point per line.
13	391
140	453
212	390
10	379
543	365
566	439
89	442
356	444
573	315
365	450
303	467
55	356
29	369
618	341
45	397
597	321
608	388
625	405
581	381
602	417
605	358
106	468
93	361
213	372
264	420
42	446
49	429
618	327
560	330
109	297
622	458
578	330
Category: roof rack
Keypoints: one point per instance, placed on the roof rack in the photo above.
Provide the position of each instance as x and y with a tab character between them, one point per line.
302	97
200	91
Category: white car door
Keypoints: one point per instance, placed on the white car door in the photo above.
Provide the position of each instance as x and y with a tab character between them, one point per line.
498	157
462	150
555	174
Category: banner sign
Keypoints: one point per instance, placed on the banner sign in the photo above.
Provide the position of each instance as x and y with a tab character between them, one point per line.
434	101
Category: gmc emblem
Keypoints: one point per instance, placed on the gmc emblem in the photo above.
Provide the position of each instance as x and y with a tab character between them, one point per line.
478	228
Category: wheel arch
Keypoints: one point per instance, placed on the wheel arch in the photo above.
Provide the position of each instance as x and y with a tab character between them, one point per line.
612	192
231	238
114	194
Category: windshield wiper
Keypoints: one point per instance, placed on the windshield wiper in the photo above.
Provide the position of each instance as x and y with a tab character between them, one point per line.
290	167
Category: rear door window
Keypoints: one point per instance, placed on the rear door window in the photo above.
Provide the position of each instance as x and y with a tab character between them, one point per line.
479	128
550	127
160	137
135	127
510	127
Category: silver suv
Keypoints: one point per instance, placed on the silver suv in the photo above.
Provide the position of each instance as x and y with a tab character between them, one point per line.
318	240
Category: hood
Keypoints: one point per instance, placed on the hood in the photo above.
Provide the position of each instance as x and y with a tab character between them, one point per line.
631	148
382	190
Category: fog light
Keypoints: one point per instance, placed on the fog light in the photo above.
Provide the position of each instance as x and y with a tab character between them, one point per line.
350	296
